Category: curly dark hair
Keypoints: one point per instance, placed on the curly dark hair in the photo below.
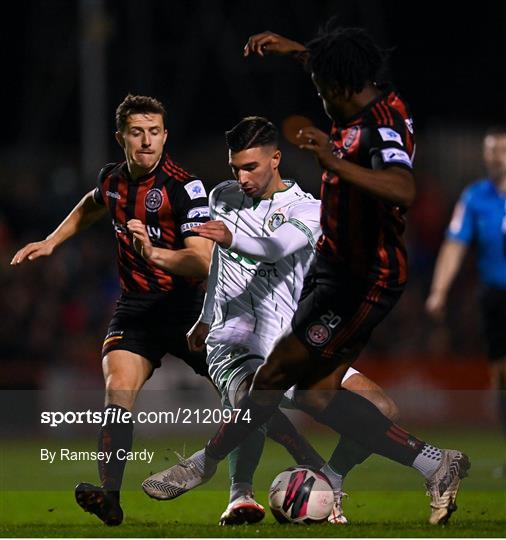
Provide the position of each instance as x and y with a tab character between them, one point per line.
251	132
137	105
345	58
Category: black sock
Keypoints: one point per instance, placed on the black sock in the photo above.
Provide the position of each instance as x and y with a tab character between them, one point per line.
281	430
346	455
250	416
354	416
114	435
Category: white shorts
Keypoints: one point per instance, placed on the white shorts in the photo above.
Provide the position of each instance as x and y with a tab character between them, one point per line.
232	359
230	364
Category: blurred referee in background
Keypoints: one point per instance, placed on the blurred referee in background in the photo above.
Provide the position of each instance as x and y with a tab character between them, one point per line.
480	218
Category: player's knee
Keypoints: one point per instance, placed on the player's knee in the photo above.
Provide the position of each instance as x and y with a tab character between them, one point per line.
388	407
312	401
381	401
120	381
120	390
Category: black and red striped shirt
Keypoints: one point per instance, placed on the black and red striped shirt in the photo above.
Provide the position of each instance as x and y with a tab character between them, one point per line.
360	231
169	201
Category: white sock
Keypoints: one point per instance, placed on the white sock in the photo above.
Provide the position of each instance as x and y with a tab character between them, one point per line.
335	479
428	460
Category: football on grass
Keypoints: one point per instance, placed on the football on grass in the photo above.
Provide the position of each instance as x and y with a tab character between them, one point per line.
301	495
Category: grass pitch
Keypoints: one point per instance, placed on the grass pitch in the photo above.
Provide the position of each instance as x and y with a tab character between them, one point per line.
386	500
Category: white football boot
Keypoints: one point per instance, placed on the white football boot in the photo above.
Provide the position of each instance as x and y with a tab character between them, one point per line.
244	509
336	516
443	486
180	478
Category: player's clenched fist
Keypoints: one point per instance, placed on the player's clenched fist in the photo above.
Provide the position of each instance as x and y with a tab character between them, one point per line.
269	42
33	251
215	230
197	335
142	243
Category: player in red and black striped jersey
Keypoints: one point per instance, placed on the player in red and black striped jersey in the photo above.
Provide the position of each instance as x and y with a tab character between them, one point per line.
153	204
360	230
363	217
359	270
169	201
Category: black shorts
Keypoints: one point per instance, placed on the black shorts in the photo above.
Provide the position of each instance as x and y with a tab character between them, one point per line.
493	304
338	312
154	324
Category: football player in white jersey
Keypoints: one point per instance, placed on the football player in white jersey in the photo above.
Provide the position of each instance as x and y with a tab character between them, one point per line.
265	229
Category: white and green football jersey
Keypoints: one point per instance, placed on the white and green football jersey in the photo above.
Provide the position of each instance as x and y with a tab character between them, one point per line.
255	301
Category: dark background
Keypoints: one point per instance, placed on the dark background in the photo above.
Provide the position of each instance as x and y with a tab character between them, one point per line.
447	59
67	64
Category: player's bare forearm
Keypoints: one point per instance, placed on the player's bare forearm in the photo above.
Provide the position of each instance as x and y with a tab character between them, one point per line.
186	262
84	214
191	261
394	184
448	263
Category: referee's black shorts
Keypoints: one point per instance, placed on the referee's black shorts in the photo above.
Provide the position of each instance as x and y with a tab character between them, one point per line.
338	312
154	324
493	305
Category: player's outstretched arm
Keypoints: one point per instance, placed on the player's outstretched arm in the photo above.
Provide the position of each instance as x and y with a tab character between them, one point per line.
448	263
286	240
270	43
85	213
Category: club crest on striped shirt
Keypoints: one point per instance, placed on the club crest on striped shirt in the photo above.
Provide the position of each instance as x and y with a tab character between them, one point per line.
318	334
153	200
350	137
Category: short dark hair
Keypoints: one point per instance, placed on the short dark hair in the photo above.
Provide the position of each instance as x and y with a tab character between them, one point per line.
346	58
251	132
137	105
